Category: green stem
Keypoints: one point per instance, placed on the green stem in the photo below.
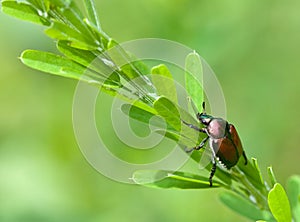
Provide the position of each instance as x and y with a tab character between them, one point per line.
260	199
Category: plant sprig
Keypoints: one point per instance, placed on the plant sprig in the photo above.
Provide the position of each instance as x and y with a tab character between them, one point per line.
90	55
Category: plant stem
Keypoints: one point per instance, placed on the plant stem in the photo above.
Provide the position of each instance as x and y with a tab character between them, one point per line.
260	199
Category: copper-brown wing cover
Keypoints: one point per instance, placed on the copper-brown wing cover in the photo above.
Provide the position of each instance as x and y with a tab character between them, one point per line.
236	139
229	148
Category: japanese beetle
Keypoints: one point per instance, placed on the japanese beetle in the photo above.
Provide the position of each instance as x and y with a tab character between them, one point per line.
223	139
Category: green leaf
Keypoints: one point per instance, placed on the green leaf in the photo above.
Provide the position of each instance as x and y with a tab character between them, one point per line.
98	69
143	114
121	59
146	116
194	78
169	111
83	57
126	62
271	176
173	115
138	65
61	3
257	169
140	114
51	63
59	6
293	191
61	66
86	58
168	179
23	11
62	31
243	206
99	35
180	138
75	19
164	82
112	43
92	13
36	3
279	204
252	173
131	70
43	5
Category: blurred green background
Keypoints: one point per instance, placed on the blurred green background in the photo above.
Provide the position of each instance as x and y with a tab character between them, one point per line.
254	49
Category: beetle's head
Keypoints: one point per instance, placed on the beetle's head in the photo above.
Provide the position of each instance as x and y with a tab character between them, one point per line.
203	117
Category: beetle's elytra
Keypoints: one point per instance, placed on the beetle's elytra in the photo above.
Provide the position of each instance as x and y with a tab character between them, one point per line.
223	140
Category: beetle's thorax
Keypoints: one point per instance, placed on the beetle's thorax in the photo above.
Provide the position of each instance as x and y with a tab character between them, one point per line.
216	128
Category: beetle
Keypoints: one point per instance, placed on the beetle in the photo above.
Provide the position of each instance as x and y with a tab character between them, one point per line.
223	139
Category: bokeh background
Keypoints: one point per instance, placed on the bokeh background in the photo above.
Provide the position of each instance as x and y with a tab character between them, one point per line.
254	49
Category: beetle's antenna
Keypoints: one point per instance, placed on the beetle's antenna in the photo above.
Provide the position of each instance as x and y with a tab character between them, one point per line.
203	106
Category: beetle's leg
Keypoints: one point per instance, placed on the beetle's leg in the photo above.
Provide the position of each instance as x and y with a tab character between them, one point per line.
201	145
188	150
245	157
193	127
212	172
192	149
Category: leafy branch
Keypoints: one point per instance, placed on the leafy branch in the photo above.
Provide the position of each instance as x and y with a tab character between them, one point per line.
90	55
